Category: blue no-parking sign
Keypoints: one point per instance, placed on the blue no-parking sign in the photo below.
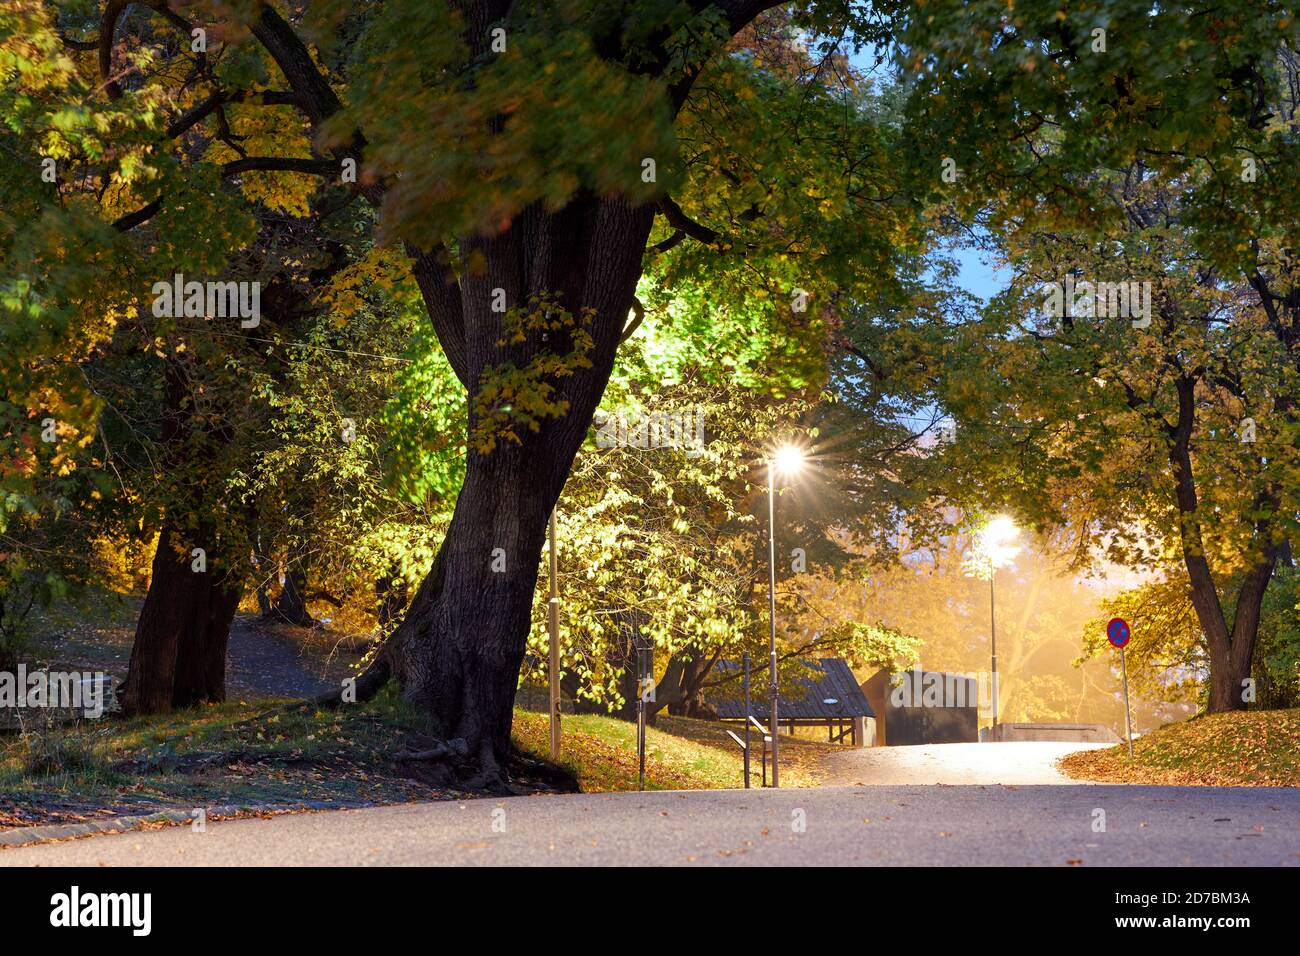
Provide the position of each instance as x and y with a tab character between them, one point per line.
1118	633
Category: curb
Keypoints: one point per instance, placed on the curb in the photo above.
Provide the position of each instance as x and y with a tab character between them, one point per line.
27	836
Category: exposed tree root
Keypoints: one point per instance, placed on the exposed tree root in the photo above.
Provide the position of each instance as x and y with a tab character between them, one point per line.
370	683
451	748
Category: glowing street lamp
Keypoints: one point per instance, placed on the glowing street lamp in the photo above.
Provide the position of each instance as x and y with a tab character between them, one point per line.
789	461
994	548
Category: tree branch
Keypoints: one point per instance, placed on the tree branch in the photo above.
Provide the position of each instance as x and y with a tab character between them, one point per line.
314	167
638	317
678	219
670	243
140	216
219	99
432	271
107	27
740	13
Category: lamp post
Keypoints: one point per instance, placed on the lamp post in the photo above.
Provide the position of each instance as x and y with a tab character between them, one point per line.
993	642
788	460
994	549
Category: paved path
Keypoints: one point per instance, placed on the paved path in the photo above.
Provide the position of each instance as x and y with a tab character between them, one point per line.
1016	763
262	663
857	826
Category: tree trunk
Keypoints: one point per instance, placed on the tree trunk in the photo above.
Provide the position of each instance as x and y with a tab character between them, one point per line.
201	657
691	702
179	655
291	603
681	691
1231	650
458	651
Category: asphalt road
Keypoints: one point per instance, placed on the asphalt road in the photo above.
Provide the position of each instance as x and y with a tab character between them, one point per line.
1017	763
855	826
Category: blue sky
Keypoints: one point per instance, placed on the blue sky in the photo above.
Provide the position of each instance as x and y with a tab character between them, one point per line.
976	276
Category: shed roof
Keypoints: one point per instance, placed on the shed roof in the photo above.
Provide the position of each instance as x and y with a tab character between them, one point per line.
832	680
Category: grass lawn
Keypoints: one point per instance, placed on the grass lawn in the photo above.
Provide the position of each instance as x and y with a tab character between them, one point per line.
230	754
1243	749
681	754
272	753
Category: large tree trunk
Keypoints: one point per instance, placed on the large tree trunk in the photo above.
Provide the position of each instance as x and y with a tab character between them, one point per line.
681	690
201	657
689	700
179	655
458	651
1231	649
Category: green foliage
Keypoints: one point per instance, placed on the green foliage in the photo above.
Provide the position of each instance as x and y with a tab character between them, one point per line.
1277	657
1026	101
797	179
362	446
871	646
1167	656
660	539
534	123
508	396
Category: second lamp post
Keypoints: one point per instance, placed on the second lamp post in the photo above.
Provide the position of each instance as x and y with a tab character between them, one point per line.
787	459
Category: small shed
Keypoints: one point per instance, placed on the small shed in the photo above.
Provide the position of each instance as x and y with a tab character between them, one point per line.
828	697
907	714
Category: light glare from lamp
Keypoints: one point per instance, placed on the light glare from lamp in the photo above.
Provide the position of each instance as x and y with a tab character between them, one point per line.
995	541
788	459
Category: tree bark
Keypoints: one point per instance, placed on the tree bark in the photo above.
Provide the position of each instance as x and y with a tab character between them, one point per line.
1231	650
290	605
179	655
458	651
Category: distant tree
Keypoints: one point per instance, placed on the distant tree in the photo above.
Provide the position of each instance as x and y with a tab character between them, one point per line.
1121	144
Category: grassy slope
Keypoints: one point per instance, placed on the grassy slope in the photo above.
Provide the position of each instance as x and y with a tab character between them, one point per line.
235	753
681	754
1243	749
242	753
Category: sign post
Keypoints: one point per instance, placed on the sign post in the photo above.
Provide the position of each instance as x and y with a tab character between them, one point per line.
553	625
748	717
1118	633
643	647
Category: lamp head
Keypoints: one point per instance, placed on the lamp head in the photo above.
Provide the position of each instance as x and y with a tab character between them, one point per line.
788	459
996	539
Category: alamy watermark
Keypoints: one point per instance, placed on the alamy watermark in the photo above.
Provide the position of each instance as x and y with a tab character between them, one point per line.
673	428
133	911
1102	300
83	691
179	299
918	688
